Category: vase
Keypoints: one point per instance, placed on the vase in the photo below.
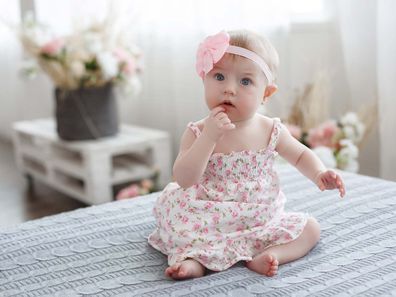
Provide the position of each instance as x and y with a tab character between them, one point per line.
86	113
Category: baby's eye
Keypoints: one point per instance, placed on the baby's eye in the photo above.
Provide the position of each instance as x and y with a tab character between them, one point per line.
219	76
246	81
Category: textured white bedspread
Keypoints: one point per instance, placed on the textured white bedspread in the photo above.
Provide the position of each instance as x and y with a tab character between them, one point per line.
103	251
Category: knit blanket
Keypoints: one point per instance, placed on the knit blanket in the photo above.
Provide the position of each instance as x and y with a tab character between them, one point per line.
103	250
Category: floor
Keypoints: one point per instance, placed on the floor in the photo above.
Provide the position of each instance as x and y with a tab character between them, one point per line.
19	202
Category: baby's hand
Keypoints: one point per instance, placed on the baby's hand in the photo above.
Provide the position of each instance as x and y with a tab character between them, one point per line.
217	123
328	180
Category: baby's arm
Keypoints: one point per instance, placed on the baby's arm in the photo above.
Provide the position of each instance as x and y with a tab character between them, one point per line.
308	163
194	153
193	157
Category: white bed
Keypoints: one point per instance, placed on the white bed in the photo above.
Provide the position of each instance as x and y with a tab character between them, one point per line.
103	251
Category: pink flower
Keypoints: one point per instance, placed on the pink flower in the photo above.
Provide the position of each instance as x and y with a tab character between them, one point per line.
147	184
129	192
53	47
294	130
180	250
245	197
204	258
185	219
208	205
234	214
216	218
220	188
322	135
182	204
210	51
126	59
196	226
240	228
257	245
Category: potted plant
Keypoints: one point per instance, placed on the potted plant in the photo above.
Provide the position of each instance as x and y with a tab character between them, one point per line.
85	66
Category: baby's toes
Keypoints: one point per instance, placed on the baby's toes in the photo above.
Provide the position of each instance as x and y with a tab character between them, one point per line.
275	263
168	271
172	269
273	268
182	272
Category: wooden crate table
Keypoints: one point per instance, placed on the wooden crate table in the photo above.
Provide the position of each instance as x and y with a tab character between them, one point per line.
88	170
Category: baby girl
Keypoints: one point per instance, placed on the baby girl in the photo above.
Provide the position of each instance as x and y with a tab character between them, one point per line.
226	204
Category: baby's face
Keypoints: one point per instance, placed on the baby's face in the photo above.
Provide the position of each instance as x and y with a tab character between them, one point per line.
237	84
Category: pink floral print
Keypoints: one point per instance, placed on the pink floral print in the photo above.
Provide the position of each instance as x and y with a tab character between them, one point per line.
233	213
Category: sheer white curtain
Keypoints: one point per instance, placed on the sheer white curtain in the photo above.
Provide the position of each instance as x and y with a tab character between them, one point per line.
8	44
368	44
386	57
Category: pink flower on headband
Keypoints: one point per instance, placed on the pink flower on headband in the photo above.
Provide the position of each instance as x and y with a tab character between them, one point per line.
210	51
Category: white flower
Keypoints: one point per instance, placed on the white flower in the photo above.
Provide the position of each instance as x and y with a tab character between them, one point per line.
346	157
349	133
349	118
87	57
108	64
93	43
349	150
352	127
326	155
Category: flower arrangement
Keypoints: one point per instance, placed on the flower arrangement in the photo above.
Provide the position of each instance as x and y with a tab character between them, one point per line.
336	142
136	189
89	57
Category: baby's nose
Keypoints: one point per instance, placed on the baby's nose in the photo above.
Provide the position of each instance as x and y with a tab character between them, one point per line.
230	88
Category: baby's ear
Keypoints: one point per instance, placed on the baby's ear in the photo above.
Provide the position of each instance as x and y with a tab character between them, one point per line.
270	90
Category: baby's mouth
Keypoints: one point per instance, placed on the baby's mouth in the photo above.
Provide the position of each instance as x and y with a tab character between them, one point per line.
228	103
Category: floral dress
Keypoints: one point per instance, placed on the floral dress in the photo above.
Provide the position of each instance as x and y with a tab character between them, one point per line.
233	213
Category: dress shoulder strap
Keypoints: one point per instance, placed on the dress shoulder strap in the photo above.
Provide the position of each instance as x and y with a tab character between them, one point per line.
194	129
276	129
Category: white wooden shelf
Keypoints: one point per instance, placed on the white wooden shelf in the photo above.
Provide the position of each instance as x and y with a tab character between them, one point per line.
88	170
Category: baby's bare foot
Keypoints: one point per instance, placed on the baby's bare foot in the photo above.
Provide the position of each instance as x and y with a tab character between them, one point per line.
264	263
186	269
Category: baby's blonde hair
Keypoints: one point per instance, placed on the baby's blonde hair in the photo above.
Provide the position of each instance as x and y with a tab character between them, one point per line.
258	44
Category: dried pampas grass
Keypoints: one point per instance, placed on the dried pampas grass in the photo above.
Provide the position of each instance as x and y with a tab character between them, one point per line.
311	107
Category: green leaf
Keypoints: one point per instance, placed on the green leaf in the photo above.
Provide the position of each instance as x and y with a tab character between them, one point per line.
92	65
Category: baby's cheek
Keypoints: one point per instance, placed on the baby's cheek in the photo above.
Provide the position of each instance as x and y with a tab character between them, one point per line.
251	103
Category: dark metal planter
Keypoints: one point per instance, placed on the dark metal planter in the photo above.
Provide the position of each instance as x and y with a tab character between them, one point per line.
86	113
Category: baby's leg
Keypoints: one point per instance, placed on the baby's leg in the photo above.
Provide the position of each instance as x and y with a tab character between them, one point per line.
188	268
267	262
